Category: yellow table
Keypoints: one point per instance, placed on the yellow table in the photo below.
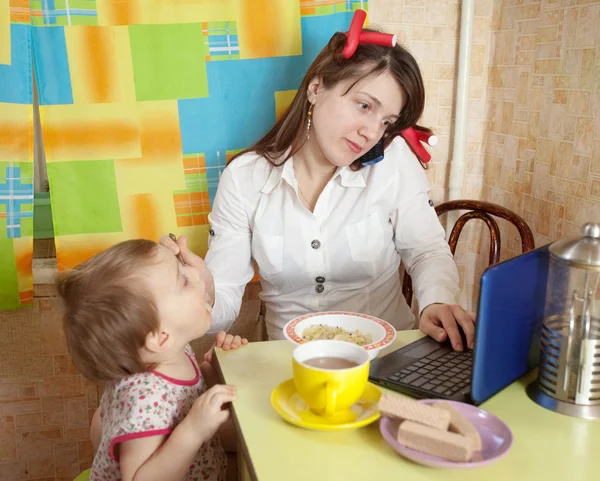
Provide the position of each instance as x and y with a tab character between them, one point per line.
547	446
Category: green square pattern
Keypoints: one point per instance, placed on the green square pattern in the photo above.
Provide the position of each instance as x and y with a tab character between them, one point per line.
169	61
9	284
90	189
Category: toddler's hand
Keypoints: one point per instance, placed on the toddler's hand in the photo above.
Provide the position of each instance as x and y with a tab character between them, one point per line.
226	342
207	413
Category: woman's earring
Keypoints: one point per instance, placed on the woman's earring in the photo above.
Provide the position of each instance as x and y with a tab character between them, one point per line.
309	121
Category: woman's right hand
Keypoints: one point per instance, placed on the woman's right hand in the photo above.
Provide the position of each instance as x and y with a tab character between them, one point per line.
192	260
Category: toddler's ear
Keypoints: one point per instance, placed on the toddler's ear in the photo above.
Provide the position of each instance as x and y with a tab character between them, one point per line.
157	341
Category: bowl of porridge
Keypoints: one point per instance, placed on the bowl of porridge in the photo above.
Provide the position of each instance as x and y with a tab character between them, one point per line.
369	332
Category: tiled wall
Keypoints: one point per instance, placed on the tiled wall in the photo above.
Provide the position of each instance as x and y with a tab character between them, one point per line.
534	112
45	405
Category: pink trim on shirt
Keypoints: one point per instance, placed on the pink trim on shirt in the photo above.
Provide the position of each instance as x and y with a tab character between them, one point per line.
130	436
179	381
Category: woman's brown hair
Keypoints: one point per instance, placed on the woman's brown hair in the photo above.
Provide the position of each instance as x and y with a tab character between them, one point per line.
108	312
289	132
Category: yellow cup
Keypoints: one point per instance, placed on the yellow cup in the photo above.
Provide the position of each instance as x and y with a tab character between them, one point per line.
330	391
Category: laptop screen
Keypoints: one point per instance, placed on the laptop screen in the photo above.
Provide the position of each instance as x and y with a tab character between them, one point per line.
509	320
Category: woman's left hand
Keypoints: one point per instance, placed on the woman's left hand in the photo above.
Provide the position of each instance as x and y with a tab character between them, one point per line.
444	321
225	341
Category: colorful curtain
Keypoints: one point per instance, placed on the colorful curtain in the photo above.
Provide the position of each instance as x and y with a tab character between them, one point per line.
16	155
142	103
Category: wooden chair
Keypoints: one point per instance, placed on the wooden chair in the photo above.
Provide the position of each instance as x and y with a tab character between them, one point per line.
478	209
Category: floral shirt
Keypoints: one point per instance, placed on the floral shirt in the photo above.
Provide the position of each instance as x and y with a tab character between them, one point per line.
152	404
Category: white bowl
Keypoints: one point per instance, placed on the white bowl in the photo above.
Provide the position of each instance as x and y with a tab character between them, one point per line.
382	333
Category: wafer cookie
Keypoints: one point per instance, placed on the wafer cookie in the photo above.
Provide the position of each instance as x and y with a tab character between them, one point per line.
444	444
403	408
461	425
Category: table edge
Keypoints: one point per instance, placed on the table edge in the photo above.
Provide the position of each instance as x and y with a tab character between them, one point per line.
238	429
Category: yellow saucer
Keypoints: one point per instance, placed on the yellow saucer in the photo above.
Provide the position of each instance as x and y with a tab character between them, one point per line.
292	408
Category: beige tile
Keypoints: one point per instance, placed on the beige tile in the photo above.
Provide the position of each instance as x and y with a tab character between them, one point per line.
85	452
9	391
15	471
52	333
389	10
523	88
67	472
421	32
528	11
444	72
573	59
446	93
65	453
478	53
64	365
440	52
570	26
444	117
436	12
76	411
481	29
8	452
78	434
548	66
525	58
20	407
507	18
560	96
579	103
52	402
520	129
547	34
584	136
594	183
414	15
66	385
580	169
483	8
521	115
32	449
587	26
54	417
45	433
40	468
440	34
586	79
528	42
554	17
28	420
28	391
595	166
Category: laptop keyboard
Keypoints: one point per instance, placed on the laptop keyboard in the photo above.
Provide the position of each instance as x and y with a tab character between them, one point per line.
444	372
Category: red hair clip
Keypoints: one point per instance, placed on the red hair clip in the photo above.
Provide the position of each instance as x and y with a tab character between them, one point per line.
414	137
355	35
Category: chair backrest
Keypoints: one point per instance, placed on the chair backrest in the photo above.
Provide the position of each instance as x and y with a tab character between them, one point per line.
478	209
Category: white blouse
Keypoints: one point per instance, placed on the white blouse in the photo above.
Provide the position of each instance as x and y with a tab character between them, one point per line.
344	256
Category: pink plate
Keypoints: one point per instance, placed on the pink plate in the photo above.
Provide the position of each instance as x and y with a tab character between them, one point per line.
496	438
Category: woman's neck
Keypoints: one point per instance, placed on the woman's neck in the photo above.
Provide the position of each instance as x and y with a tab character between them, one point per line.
313	163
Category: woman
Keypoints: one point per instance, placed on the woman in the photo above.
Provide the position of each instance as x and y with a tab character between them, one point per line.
326	232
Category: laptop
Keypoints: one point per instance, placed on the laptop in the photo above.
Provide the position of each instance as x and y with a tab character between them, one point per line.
507	340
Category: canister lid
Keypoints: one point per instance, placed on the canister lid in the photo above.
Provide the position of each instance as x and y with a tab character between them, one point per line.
580	251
